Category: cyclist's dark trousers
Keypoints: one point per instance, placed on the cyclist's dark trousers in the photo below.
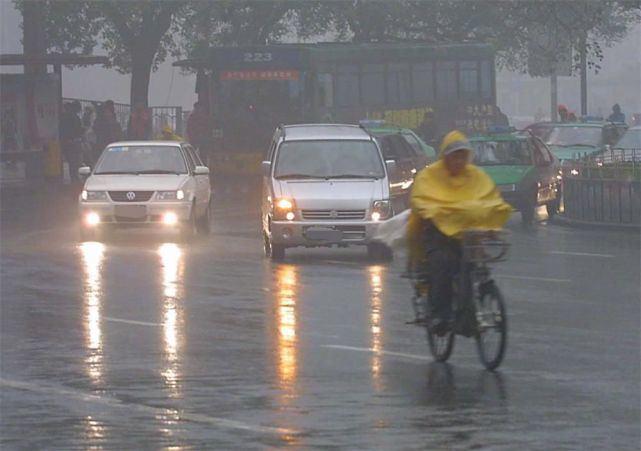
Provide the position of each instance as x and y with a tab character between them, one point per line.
443	264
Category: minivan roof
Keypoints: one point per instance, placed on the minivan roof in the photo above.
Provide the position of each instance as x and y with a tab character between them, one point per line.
315	132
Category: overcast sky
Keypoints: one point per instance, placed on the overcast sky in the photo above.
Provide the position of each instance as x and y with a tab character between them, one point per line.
170	87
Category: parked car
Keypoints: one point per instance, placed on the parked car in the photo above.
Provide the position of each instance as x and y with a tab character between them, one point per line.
524	170
146	184
324	185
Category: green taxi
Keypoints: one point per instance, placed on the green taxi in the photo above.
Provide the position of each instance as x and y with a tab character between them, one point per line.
574	140
523	168
381	128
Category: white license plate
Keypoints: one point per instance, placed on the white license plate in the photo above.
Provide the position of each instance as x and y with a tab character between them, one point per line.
131	211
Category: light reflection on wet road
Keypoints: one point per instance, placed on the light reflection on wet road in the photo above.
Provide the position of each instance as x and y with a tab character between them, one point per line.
143	343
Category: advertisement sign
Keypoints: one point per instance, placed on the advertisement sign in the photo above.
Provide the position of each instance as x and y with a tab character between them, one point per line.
253	75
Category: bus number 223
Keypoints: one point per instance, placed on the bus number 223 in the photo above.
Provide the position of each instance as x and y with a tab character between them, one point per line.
257	57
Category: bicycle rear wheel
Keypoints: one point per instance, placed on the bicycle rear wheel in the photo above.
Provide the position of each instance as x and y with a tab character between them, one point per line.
440	345
491	339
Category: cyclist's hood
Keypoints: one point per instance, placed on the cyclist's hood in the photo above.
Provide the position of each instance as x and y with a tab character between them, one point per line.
455	204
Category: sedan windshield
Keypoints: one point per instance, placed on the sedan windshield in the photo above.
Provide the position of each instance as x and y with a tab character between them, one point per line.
329	159
502	153
631	140
142	160
575	136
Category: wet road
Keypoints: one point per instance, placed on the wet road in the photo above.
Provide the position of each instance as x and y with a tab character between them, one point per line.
141	343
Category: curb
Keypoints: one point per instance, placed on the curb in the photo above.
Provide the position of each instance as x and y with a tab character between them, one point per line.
562	220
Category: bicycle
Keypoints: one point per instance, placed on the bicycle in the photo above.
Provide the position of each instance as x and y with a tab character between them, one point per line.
478	306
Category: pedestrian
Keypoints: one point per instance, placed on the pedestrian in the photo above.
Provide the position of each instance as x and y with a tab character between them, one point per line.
501	118
199	131
168	134
71	133
106	127
427	129
140	127
563	113
617	115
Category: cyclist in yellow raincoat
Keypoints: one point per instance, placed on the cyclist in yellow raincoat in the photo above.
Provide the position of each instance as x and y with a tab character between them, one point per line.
448	198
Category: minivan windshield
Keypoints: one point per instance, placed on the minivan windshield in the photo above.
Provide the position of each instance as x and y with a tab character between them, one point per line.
328	159
515	153
142	160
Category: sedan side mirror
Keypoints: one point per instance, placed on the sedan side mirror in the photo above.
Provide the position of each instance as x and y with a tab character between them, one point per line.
267	168
201	170
84	171
391	166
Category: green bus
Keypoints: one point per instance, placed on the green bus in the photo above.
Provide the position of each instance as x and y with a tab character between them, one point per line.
250	90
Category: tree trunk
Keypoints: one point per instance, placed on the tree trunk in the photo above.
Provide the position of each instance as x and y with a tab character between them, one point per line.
140	76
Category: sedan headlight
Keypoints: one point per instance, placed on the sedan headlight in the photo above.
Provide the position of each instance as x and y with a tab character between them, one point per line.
170	195
381	209
93	195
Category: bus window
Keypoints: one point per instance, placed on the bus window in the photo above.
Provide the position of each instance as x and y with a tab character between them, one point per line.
347	92
423	82
373	84
468	79
398	83
446	80
325	90
486	79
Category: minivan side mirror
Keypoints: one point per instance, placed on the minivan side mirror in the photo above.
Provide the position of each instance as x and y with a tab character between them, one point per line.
267	168
84	171
391	166
201	170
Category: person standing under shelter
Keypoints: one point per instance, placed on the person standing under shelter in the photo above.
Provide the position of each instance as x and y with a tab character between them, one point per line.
140	127
199	131
617	115
106	127
71	133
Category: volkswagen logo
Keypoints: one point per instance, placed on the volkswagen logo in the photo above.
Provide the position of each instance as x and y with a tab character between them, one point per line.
333	214
131	195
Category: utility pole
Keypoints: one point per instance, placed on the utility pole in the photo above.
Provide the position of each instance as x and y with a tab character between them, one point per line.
554	95
584	73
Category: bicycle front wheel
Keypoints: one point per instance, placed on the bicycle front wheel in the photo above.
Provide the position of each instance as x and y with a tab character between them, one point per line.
440	345
491	317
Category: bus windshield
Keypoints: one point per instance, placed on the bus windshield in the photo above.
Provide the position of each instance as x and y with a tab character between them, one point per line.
487	153
328	159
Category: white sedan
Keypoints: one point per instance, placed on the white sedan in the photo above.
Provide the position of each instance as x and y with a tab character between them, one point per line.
146	184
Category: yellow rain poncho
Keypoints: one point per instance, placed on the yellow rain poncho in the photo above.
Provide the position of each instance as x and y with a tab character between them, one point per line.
455	204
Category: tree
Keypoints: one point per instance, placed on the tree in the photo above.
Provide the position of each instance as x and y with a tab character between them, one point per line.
136	34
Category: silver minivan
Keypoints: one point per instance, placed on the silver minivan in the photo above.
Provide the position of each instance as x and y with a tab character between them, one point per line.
324	185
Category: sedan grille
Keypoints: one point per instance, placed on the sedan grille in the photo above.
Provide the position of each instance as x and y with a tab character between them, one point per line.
333	215
130	196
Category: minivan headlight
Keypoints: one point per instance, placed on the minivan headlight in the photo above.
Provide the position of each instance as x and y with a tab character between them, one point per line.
284	209
170	195
93	195
381	210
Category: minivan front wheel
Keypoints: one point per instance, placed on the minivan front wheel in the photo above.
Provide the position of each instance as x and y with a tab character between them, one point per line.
275	252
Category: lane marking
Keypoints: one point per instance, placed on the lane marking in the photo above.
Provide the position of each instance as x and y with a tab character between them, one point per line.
131	321
380	352
154	411
538	279
582	254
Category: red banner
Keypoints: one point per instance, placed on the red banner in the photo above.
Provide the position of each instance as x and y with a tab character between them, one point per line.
260	75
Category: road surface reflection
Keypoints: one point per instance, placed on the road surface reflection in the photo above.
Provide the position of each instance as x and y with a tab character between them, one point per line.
172	272
92	259
376	331
286	324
